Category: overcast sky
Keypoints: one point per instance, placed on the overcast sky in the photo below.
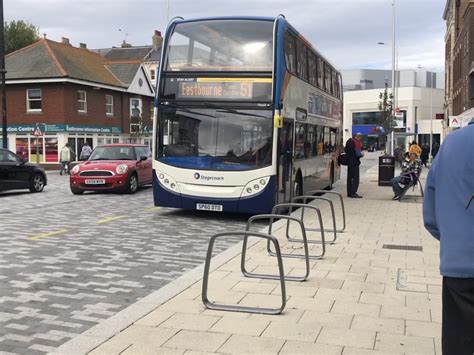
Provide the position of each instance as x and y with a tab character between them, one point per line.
345	31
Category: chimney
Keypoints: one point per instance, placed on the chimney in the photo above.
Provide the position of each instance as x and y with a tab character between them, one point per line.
157	40
126	45
83	45
65	40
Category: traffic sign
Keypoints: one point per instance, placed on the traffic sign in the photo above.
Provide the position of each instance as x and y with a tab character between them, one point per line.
454	121
38	132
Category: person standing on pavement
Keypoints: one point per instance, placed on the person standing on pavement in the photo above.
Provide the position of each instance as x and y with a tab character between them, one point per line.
65	159
353	150
448	213
435	149
85	151
425	154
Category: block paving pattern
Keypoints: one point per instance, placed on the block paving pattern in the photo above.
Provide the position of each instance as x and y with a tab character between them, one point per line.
109	251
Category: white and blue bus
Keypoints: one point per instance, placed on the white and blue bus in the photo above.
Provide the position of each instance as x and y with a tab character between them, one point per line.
247	114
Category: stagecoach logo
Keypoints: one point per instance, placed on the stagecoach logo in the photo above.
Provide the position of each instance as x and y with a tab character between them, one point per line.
198	176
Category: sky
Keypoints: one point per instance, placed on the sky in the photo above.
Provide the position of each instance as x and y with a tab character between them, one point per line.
344	31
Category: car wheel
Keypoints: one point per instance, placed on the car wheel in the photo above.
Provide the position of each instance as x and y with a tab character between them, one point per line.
132	184
37	183
76	191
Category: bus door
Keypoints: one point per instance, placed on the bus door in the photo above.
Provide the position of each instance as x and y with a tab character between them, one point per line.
285	162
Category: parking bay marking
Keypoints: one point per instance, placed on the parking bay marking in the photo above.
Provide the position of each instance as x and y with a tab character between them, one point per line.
110	219
48	234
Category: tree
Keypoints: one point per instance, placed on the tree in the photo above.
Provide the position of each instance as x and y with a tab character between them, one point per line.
19	34
386	120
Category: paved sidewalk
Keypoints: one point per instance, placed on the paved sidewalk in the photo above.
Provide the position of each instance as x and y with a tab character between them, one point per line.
360	299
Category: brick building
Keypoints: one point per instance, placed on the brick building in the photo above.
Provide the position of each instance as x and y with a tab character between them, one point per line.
76	95
459	17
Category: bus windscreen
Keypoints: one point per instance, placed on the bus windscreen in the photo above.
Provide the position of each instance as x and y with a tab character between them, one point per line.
221	45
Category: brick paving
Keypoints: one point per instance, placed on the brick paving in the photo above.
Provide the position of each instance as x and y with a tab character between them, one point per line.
68	262
360	299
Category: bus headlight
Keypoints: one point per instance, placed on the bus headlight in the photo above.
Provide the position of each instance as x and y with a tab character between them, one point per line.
255	186
167	182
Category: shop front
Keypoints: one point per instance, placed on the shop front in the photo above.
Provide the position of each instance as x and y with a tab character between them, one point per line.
45	149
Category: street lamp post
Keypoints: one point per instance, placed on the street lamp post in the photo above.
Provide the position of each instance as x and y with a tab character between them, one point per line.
3	87
431	114
394	100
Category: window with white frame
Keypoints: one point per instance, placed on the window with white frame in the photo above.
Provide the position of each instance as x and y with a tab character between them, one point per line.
109	105
33	98
135	107
81	101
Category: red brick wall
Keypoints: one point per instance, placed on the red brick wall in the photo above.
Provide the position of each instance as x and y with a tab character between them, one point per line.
60	106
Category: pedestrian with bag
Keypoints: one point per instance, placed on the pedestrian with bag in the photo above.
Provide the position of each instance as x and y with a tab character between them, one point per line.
448	213
353	150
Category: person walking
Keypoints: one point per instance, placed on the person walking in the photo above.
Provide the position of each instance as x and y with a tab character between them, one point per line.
85	151
435	149
353	150
448	213
65	159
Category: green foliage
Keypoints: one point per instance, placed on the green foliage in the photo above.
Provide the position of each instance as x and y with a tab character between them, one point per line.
19	34
386	106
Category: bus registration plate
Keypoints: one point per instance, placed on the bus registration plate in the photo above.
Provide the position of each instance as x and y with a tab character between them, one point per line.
208	207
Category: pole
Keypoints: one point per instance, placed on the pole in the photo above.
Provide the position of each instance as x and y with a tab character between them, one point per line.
431	115
3	87
394	99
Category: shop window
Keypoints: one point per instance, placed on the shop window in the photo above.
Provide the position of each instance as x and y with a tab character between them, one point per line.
109	105
51	149
300	141
33	99
22	148
81	101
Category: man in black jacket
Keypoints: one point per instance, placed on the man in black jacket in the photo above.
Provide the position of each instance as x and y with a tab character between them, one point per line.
353	150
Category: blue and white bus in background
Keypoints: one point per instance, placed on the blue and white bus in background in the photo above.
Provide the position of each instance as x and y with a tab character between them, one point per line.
248	114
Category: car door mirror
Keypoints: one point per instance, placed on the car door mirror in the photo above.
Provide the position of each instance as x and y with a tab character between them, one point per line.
143	158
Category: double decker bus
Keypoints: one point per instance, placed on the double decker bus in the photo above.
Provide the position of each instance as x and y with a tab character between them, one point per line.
247	114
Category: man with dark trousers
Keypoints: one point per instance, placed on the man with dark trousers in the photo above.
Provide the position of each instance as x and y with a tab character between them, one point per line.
448	212
353	150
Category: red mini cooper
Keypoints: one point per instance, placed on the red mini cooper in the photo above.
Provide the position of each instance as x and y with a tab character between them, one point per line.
122	167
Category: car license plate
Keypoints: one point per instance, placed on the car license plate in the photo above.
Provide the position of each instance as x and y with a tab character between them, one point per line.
95	181
208	207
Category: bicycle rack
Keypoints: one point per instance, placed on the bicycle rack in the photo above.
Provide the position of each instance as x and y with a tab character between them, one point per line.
333	214
302	206
271	218
236	308
313	192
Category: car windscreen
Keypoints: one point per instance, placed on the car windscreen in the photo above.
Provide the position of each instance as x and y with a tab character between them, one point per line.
113	153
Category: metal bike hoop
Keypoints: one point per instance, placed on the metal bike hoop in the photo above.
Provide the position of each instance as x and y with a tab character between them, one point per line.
290	207
271	218
313	192
333	214
237	308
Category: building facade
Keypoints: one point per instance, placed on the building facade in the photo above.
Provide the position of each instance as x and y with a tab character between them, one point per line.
459	59
74	95
419	100
416	104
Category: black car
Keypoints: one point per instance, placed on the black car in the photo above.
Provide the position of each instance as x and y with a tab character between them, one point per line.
17	173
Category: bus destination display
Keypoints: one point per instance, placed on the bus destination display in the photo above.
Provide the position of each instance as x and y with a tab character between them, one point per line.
215	90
